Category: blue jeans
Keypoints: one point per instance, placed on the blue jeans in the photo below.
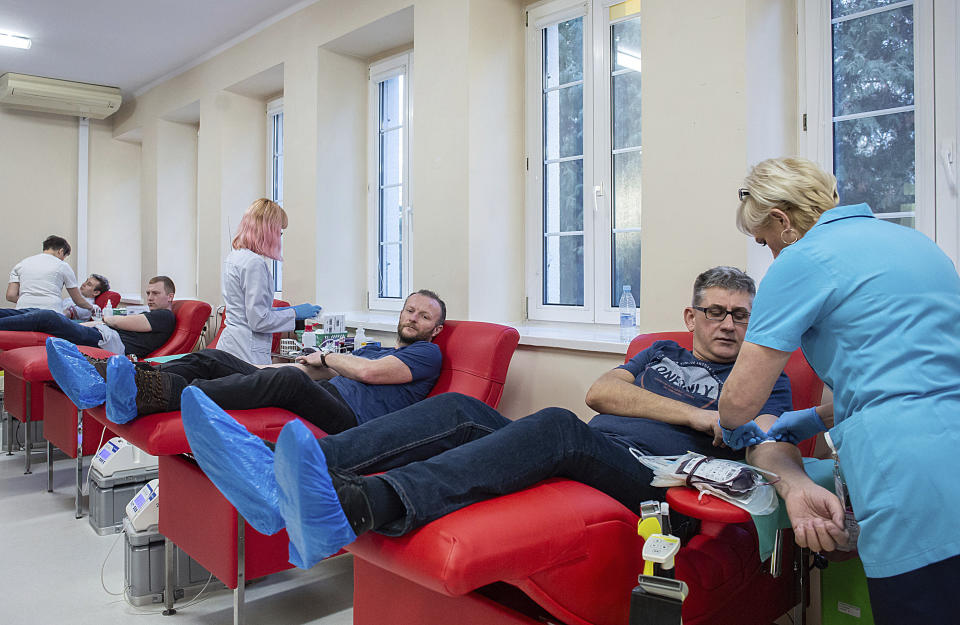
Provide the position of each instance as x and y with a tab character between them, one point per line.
449	451
55	324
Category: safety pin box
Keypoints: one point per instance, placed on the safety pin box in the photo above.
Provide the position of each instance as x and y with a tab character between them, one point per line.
109	497
143	568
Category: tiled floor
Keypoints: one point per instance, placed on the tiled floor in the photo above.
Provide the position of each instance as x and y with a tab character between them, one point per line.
52	562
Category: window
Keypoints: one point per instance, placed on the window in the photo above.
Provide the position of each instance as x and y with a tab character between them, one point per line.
584	154
880	104
275	171
388	186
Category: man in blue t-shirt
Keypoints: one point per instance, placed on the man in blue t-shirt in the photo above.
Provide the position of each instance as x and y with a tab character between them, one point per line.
415	465
333	391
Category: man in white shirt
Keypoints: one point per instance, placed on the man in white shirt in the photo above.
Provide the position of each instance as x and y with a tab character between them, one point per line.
37	281
91	289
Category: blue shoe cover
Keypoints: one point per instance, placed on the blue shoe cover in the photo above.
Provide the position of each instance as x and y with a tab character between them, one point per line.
74	375
236	461
315	520
121	390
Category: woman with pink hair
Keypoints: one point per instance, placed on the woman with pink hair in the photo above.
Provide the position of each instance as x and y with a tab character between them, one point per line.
251	318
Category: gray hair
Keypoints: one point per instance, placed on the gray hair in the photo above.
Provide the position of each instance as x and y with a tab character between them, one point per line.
728	278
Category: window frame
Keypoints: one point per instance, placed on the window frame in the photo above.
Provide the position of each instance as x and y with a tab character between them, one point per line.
598	270
396	65
275	172
815	91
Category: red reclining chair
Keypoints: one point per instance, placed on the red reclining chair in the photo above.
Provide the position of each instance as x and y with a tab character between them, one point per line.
27	372
13	340
476	357
563	551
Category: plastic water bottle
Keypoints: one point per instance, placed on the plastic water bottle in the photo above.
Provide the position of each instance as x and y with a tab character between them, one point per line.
309	336
360	339
628	315
108	309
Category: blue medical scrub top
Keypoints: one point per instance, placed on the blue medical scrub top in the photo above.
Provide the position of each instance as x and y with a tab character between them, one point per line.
876	308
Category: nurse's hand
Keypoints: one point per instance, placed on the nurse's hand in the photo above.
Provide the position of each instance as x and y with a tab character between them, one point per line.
799	425
306	311
816	516
746	435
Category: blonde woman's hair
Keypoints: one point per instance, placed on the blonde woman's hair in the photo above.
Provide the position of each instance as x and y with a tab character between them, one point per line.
796	186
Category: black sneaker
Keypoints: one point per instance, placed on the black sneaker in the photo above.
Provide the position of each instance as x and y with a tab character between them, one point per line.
352	493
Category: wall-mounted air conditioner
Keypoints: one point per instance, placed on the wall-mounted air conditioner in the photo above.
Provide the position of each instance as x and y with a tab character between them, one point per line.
50	95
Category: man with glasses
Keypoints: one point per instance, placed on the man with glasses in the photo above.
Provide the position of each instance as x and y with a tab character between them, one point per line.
407	468
675	391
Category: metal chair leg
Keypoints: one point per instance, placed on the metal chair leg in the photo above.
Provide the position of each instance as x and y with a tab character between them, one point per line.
169	585
238	599
28	440
79	512
49	467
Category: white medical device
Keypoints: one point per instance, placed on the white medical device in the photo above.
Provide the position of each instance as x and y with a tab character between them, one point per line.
119	455
144	509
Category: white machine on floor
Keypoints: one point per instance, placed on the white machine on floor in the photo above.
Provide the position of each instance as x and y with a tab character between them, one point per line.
118	455
144	509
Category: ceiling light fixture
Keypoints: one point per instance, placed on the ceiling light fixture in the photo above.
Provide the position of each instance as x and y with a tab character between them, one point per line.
15	41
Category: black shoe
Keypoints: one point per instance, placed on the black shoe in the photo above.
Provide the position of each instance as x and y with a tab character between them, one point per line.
354	499
155	391
100	364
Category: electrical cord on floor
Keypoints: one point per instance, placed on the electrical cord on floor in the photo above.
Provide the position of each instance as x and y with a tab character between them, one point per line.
139	610
104	566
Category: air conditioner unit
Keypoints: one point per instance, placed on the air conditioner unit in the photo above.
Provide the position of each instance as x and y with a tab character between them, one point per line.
50	95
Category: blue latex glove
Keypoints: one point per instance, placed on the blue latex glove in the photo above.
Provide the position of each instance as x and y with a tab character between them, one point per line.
799	425
744	436
306	311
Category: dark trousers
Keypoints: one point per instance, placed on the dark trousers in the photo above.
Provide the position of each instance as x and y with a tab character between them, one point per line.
924	595
52	323
235	384
449	451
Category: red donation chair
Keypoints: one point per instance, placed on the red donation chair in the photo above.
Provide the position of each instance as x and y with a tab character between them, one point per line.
562	551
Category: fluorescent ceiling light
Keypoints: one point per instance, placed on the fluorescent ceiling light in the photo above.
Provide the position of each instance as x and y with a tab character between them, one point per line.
15	41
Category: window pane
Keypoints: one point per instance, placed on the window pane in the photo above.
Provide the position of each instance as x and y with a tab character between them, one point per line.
626	265
909	222
563	197
391	102
563	122
626	191
391	214
390	270
625	40
848	7
563	270
625	102
873	62
391	157
563	53
874	161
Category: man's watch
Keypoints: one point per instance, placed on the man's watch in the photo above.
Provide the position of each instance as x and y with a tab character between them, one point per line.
323	359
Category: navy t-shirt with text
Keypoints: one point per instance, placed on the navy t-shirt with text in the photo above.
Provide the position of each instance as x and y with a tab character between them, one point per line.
671	371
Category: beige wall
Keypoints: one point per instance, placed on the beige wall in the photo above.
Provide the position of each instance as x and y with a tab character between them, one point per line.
113	214
718	96
38	174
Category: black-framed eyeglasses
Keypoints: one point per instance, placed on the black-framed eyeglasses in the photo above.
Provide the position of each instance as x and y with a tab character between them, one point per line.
718	314
742	193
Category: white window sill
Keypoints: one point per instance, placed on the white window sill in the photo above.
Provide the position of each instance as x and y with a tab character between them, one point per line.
588	337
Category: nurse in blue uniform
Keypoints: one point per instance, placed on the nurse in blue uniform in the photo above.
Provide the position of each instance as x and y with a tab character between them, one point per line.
876	308
251	319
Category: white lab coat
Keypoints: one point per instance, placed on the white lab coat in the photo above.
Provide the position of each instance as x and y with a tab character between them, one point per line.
248	297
